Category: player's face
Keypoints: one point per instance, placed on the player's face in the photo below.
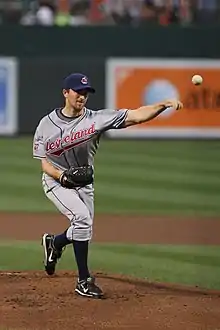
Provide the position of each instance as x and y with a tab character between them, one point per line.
76	100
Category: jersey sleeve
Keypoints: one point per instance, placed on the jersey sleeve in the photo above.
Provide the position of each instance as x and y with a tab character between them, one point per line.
110	119
38	143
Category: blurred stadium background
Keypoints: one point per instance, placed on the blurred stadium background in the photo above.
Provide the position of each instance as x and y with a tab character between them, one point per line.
135	52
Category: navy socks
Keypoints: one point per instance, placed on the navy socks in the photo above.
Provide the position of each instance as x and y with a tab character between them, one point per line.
80	250
81	254
61	240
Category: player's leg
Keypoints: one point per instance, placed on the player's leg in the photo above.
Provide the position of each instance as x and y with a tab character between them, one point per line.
68	203
51	252
79	234
86	285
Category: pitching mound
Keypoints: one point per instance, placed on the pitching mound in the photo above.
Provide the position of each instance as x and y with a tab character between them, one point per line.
35	301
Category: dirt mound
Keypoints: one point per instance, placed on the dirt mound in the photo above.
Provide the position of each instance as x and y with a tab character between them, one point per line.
36	301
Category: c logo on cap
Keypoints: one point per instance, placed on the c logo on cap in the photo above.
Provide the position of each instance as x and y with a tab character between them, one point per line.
84	80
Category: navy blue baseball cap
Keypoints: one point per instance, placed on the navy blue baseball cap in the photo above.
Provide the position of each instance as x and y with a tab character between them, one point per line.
77	82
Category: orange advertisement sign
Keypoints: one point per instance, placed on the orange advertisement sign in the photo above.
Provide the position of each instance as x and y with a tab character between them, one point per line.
133	83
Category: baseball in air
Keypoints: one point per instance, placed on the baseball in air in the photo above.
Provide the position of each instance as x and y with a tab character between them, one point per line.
197	79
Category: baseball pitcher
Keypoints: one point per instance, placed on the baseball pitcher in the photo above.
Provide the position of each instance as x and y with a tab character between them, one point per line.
66	141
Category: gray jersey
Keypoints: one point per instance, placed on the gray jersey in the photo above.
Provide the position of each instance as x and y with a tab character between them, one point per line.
66	142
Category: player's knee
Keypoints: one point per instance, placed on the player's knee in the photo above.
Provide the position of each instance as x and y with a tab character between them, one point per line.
75	233
82	219
81	228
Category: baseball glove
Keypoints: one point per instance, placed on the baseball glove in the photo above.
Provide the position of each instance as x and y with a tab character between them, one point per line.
77	177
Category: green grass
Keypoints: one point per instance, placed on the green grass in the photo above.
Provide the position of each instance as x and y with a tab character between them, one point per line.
191	265
133	177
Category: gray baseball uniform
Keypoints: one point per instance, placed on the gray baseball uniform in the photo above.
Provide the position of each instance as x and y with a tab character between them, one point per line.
64	142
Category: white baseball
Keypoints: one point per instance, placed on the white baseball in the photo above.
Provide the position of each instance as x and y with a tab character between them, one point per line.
197	79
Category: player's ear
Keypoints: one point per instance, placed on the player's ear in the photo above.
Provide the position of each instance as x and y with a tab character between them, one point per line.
65	92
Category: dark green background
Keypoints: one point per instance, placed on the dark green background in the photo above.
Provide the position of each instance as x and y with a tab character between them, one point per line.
101	42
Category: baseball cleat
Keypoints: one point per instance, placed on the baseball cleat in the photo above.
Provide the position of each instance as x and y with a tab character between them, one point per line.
88	288
51	254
